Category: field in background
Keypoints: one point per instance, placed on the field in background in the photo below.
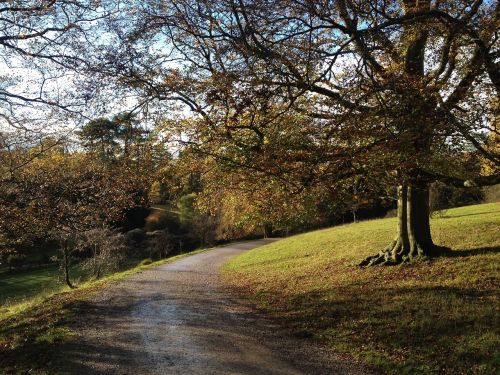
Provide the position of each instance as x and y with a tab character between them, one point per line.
19	287
440	316
23	288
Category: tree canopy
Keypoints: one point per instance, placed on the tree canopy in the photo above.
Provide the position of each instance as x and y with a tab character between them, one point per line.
394	90
330	94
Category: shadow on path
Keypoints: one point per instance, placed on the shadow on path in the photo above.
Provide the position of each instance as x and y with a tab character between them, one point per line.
180	319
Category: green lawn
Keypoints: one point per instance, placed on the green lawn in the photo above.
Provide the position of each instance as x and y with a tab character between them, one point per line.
439	316
17	286
26	284
19	290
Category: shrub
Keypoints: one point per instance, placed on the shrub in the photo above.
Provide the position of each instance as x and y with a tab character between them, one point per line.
160	244
135	236
443	197
492	193
107	248
187	208
145	262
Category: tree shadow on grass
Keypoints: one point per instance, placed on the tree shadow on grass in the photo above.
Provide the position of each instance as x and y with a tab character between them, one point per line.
30	341
449	253
408	328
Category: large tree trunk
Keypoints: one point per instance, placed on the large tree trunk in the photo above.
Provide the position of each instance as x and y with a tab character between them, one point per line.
413	239
419	229
400	246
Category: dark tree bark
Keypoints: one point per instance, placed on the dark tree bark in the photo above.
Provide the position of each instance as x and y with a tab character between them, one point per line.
354	218
268	230
419	229
66	265
400	246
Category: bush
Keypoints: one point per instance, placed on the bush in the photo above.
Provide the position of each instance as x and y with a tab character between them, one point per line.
145	262
133	218
107	249
492	193
135	236
160	244
187	209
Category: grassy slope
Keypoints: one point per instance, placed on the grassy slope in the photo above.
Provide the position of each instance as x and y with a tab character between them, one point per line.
431	317
32	331
19	288
27	284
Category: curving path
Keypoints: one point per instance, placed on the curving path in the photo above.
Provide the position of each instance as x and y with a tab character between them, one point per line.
179	319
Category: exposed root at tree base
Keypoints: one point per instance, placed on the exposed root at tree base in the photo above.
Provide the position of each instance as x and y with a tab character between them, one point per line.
398	253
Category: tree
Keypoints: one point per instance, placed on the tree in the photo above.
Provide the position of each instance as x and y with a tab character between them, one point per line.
130	133
245	203
118	137
45	46
101	137
106	247
59	195
395	90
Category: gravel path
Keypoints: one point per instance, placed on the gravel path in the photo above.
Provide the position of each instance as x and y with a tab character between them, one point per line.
179	319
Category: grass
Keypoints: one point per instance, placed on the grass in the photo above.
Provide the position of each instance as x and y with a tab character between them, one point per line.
19	287
22	290
439	316
32	331
27	284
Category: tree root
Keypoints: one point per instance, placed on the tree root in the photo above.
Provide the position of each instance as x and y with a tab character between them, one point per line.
388	256
398	253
